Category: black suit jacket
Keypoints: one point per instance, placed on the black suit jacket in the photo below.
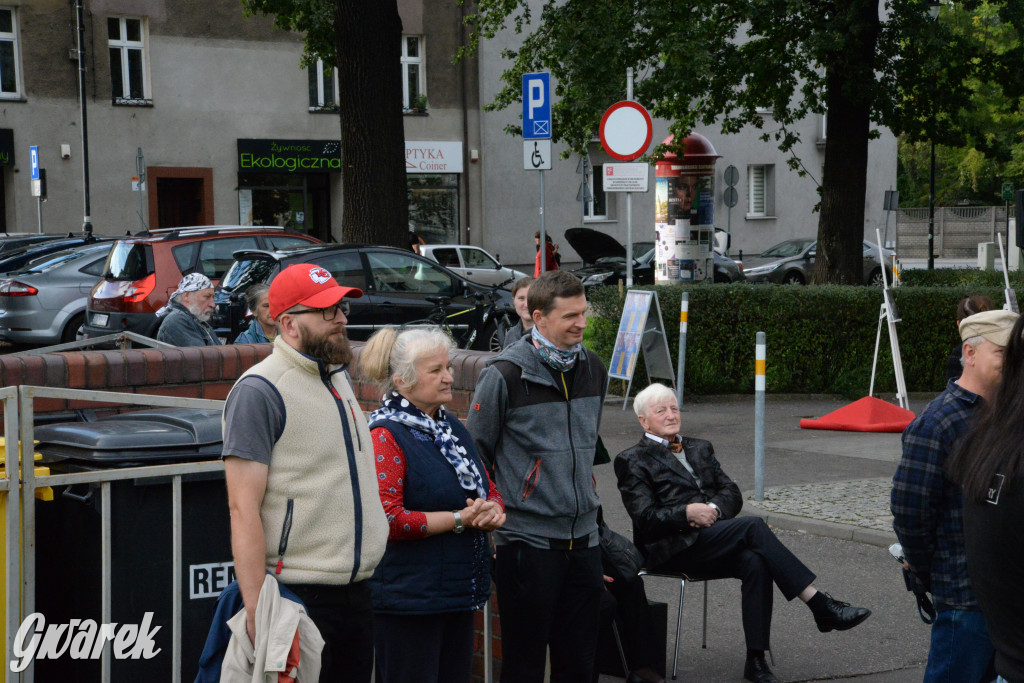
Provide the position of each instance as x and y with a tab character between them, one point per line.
656	489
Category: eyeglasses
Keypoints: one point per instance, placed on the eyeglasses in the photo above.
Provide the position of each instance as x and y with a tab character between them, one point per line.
329	313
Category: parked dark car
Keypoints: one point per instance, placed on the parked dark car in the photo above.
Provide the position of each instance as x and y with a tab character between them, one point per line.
44	302
604	260
10	241
16	259
144	270
792	262
395	284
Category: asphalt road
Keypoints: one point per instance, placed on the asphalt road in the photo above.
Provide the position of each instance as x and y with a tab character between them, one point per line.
890	647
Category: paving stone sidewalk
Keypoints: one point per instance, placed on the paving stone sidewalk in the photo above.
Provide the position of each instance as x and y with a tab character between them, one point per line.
859	502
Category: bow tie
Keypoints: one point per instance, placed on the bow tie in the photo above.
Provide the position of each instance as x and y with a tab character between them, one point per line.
676	446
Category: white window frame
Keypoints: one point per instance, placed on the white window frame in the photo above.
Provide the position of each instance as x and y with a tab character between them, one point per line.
589	213
319	105
12	38
124	45
760	191
408	61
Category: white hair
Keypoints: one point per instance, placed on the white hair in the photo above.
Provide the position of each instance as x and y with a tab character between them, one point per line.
652	394
411	345
974	341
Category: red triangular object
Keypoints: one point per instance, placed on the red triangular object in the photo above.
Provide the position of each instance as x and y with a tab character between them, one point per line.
869	414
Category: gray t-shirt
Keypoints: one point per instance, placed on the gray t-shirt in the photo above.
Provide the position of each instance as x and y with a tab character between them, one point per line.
254	418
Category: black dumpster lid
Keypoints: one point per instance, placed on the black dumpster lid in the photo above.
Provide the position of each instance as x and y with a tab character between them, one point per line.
149	435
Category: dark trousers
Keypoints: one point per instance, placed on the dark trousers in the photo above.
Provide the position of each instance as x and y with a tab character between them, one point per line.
424	648
344	616
548	597
626	602
746	549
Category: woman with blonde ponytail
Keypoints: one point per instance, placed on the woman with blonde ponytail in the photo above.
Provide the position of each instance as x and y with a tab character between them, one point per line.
440	505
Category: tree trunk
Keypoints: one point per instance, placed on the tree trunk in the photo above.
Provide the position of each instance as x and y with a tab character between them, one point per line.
368	35
844	184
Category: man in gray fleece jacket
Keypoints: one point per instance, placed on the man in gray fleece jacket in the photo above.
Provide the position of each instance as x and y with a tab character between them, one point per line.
535	418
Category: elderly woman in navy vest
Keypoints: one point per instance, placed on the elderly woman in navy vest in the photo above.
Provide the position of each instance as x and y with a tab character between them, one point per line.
440	504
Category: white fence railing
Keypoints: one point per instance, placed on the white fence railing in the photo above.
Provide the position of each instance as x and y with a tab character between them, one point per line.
21	586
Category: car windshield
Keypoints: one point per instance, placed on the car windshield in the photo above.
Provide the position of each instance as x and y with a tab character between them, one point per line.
45	263
247	272
640	249
788	248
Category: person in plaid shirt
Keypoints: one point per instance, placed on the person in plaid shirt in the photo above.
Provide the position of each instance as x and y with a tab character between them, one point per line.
927	510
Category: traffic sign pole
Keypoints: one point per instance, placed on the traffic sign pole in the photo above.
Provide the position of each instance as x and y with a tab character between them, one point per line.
537	126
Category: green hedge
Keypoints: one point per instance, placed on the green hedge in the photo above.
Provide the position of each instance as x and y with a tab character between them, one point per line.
819	339
960	277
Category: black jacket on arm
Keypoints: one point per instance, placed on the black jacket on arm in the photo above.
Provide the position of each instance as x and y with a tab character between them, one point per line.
656	489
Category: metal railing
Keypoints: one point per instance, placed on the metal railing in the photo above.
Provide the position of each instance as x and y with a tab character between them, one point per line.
19	428
122	340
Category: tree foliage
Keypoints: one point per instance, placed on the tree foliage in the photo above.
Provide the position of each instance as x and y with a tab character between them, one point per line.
362	38
723	62
988	148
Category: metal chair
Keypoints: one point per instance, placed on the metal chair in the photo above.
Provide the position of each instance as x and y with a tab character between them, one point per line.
682	579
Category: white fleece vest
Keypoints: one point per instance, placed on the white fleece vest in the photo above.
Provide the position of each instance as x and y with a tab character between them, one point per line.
338	527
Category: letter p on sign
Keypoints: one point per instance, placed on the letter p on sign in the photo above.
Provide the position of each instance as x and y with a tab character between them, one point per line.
537	106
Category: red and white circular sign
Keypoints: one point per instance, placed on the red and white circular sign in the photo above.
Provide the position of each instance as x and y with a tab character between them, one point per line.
626	130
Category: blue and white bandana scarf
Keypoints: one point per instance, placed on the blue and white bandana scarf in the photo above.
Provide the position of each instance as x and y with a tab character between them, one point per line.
400	409
560	359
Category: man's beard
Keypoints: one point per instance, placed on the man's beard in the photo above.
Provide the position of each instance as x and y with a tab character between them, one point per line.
330	348
204	315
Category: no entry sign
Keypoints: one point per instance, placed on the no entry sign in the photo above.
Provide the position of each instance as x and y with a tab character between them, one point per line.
626	130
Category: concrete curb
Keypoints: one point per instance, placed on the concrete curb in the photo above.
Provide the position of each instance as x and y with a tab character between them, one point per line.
817	527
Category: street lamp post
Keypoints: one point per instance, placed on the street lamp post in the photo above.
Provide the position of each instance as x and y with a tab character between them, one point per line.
87	221
933	12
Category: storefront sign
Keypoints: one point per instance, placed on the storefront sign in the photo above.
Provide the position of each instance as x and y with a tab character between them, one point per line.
289	156
6	147
433	157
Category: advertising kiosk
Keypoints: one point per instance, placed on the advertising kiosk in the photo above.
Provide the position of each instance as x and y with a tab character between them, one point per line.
684	212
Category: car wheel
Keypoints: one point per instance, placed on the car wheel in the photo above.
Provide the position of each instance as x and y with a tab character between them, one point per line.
793	278
73	330
722	279
875	278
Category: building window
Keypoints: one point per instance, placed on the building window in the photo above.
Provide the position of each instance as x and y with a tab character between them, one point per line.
596	208
128	82
323	86
761	191
9	72
413	98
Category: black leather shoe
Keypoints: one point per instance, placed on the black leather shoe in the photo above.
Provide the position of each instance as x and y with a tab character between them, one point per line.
756	670
839	616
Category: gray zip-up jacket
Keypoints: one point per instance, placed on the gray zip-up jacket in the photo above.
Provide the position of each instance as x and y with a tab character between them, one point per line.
181	328
539	437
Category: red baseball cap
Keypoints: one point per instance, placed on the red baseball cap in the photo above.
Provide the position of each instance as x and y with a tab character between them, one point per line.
309	285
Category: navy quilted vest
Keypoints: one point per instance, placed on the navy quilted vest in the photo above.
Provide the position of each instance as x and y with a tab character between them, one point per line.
444	573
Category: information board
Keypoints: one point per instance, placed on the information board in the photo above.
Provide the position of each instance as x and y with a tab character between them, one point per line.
640	331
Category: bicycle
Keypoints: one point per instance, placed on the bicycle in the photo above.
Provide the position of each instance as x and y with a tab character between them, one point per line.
485	333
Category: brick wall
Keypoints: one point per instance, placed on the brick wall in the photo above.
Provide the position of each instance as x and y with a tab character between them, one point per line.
204	372
195	372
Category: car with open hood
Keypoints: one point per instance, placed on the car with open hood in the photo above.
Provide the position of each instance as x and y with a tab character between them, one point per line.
604	260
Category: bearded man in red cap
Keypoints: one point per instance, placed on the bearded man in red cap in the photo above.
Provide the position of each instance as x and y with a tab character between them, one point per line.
302	483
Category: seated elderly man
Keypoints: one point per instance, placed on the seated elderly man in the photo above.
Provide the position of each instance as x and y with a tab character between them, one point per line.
684	508
187	314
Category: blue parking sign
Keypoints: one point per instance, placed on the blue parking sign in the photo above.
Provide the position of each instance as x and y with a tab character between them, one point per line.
33	157
537	106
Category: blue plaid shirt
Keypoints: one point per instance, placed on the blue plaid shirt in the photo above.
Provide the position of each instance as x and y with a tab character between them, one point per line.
926	506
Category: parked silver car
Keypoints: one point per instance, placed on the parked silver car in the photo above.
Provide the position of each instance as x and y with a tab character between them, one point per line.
44	302
792	262
472	263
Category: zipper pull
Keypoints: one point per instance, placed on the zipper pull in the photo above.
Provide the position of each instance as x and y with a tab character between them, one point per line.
280	565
